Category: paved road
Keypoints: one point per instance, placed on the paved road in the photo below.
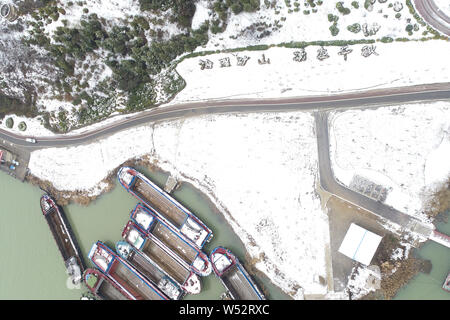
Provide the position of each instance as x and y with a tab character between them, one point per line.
320	104
377	97
329	184
433	15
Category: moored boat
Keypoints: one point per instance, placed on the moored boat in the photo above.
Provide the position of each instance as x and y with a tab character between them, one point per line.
233	276
65	241
153	226
167	208
123	274
103	287
157	253
150	270
446	284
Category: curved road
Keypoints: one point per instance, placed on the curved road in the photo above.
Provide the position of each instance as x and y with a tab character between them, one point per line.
370	98
319	104
329	184
431	13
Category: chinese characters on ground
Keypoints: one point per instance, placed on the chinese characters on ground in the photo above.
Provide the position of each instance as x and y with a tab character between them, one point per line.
299	56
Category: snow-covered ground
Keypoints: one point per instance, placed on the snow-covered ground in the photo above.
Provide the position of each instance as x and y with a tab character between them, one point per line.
83	167
283	24
444	5
283	21
393	65
261	167
34	126
402	147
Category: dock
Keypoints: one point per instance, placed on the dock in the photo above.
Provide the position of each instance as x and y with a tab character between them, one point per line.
64	238
170	185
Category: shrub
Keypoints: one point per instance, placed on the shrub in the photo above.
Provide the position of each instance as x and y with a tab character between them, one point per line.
355	28
386	39
334	29
343	10
9	123
22	126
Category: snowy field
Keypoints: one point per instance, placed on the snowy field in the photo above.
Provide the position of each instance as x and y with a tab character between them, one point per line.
262	168
405	148
393	65
276	22
280	22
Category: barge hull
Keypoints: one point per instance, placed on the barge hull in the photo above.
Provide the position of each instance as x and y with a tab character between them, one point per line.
160	203
167	263
239	287
107	291
131	282
64	238
174	242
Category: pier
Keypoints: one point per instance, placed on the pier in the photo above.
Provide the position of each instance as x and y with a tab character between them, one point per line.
440	238
171	184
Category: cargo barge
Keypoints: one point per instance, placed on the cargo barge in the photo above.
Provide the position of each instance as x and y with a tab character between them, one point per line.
158	254
123	274
65	241
103	287
150	270
153	226
233	276
168	209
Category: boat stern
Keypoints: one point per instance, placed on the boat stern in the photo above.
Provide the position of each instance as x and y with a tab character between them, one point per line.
193	285
46	203
124	249
142	217
133	236
195	232
202	265
101	257
221	260
125	175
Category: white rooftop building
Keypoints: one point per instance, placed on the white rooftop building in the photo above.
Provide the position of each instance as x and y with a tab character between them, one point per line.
360	244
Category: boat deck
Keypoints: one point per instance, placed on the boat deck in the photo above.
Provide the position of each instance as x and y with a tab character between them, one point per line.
175	243
133	283
238	285
166	262
62	235
108	292
159	202
146	268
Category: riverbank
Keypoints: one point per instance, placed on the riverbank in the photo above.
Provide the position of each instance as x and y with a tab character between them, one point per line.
396	272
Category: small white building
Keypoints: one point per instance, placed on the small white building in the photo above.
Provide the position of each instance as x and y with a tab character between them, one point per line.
360	244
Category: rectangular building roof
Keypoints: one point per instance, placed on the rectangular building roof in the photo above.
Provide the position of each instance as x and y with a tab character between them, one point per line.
360	244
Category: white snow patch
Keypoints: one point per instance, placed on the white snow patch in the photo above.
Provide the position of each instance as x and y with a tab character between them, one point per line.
83	167
394	66
201	14
401	147
261	167
34	126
